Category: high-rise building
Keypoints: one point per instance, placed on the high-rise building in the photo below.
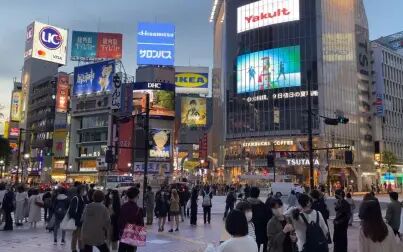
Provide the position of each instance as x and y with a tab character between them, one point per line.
388	80
267	55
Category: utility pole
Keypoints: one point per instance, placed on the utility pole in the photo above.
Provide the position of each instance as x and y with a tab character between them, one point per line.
310	142
18	156
147	145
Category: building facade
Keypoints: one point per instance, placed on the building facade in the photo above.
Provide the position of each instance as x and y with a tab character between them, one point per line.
264	65
388	80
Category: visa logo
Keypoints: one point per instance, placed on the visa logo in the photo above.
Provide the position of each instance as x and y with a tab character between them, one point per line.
190	80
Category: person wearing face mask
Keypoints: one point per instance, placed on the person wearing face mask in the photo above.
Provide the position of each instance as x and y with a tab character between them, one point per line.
310	227
76	210
343	214
246	208
279	231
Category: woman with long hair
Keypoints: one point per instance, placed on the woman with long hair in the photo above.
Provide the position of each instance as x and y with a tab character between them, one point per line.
174	210
112	202
21	200
161	209
375	234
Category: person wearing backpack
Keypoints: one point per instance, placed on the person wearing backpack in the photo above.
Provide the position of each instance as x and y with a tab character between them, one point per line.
206	204
230	201
343	214
310	227
59	209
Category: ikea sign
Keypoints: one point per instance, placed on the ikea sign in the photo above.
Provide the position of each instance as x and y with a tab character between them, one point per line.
191	82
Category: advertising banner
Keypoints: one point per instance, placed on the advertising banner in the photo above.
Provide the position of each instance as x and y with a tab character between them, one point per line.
155	44
117	91
269	69
160	144
338	47
59	143
153	167
193	111
16	106
84	45
266	12
14	132
127	98
109	46
191	82
49	43
125	155
94	45
162	98
93	78
62	93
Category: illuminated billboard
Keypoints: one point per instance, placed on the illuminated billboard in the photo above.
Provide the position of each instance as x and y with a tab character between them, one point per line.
269	69
338	47
162	98
16	106
46	42
266	12
93	78
160	140
192	80
62	93
193	111
155	44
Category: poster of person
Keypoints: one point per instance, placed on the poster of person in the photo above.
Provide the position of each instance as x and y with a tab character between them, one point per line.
193	111
161	144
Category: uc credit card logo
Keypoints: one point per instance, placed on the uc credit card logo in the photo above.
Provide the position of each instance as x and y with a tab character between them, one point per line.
50	38
191	80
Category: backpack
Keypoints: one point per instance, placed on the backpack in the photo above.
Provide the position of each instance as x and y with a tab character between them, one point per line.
206	200
316	240
60	209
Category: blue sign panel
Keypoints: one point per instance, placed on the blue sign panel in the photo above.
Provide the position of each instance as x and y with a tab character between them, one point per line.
93	78
84	45
155	44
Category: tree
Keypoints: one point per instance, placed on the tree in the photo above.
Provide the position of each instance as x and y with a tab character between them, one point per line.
388	159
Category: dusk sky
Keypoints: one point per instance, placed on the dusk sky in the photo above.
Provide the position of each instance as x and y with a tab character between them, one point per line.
193	31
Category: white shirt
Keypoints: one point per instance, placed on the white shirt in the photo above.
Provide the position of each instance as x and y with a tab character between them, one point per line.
238	244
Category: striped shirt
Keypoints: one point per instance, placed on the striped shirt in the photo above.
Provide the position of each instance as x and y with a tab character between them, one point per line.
251	230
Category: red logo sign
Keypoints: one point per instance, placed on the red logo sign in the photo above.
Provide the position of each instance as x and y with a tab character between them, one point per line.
109	46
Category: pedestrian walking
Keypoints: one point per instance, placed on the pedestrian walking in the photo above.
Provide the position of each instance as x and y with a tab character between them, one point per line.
130	213
95	224
59	210
393	213
375	234
310	227
184	196
174	210
2	193
207	196
34	205
21	204
280	232
193	206
47	204
351	202
230	201
343	214
149	201
237	226
113	207
319	204
246	191
292	199
76	210
8	206
161	209
91	192
260	216
246	208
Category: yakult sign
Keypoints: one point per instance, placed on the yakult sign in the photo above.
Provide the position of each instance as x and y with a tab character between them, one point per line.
267	12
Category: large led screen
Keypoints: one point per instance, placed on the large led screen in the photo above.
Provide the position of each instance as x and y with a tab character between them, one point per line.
269	69
193	111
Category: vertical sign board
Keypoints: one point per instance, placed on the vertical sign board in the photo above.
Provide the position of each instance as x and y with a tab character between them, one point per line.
155	44
16	106
117	91
62	93
125	153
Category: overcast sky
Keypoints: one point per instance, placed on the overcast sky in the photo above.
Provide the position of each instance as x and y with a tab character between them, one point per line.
193	31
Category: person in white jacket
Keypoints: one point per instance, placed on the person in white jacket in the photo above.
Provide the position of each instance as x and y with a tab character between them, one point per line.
21	203
310	215
375	234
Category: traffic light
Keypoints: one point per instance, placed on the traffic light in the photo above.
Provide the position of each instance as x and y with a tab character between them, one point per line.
342	120
270	160
109	157
348	157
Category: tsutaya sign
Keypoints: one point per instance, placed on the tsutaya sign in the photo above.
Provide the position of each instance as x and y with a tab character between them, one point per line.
285	95
295	162
267	12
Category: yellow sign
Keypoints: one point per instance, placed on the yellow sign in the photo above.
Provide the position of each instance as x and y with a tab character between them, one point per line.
16	106
6	129
193	111
191	80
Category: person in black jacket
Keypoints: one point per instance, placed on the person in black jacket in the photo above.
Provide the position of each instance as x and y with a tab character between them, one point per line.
59	209
161	208
260	216
184	196
343	214
76	210
8	206
193	206
230	201
319	205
